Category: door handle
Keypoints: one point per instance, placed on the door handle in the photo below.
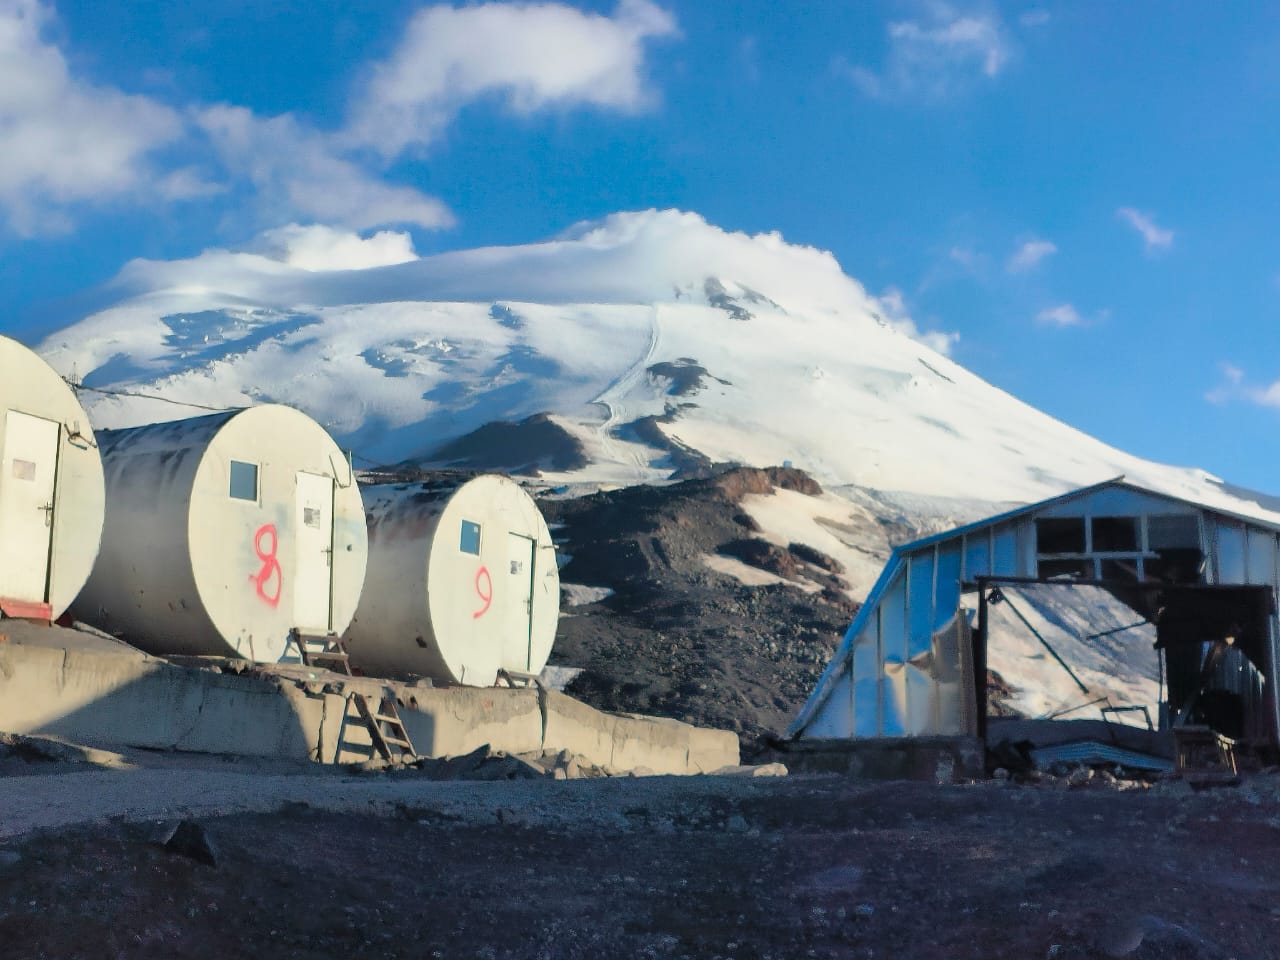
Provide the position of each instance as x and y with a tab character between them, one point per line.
48	514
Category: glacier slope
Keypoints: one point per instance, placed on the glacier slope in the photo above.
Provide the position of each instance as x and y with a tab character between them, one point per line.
801	364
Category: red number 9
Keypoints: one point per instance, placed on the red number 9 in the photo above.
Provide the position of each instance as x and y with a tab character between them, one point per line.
484	590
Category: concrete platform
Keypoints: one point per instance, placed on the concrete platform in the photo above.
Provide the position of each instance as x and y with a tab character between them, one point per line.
92	689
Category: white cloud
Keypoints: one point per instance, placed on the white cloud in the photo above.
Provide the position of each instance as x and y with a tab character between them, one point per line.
1027	256
1235	386
1153	237
317	247
893	307
1063	315
1034	18
931	57
63	140
531	55
1268	396
299	171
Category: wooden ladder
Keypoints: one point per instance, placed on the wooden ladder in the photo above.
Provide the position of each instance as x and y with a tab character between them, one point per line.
387	732
321	650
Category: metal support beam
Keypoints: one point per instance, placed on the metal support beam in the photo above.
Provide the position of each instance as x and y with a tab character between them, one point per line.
982	584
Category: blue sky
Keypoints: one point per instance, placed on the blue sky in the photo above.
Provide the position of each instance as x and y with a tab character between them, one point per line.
1086	193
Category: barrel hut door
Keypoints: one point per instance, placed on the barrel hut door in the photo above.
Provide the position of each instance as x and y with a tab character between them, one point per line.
519	603
28	471
313	578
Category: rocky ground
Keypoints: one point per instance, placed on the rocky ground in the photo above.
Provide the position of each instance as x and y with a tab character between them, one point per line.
678	639
322	864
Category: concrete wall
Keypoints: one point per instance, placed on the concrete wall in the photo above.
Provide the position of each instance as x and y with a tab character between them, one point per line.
125	698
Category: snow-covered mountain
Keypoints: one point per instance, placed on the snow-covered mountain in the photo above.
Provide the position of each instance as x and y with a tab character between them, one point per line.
648	338
627	350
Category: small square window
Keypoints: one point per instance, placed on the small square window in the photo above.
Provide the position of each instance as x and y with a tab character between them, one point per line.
244	481
470	538
1060	535
1115	534
1171	530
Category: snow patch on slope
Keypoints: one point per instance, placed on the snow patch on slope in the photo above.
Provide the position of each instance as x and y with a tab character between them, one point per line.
829	524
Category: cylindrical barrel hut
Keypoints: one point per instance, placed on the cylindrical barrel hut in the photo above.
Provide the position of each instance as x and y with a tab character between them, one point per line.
462	582
51	488
224	533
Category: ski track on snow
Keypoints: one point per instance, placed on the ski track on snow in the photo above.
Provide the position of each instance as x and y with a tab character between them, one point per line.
614	399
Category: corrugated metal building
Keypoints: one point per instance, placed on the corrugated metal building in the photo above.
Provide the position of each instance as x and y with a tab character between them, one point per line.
1205	578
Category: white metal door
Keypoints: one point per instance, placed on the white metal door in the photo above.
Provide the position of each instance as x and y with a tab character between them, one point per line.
518	602
28	470
313	574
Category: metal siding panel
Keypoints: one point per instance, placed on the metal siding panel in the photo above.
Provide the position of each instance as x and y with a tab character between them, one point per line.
949	713
1115	502
1231	552
866	677
893	721
920	604
977	555
919	689
1004	549
1262	556
834	718
946	592
1026	538
893	644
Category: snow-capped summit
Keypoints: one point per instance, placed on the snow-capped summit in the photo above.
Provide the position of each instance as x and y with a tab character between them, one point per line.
648	337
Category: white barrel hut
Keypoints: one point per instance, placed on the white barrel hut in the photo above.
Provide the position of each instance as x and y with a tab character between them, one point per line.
226	532
51	488
462	582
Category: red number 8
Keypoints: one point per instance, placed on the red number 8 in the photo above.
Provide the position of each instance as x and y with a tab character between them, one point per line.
270	565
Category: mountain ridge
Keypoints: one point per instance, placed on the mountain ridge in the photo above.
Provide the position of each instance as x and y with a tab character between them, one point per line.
645	337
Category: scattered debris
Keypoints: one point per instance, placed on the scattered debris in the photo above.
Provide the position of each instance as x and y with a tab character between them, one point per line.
32	749
752	770
189	839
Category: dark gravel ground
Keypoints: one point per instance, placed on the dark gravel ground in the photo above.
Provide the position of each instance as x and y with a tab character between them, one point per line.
677	639
703	868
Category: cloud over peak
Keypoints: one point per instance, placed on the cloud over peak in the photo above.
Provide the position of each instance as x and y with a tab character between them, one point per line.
316	247
532	56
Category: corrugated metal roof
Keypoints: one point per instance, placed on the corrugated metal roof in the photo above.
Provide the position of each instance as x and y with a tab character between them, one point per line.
1095	751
